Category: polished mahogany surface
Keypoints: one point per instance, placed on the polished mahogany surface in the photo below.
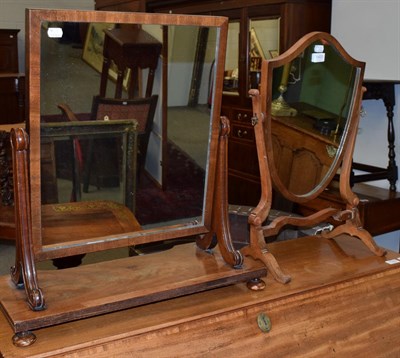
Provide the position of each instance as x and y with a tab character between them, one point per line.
342	299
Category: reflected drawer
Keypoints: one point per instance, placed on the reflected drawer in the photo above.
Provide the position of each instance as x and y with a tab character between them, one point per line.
241	116
242	132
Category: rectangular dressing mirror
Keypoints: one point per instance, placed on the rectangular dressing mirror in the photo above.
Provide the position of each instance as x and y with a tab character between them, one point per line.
124	147
156	72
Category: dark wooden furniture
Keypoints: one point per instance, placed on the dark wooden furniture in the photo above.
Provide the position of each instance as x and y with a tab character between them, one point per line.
6	186
12	82
130	48
378	207
120	5
381	91
9	51
342	301
296	19
12	98
7	224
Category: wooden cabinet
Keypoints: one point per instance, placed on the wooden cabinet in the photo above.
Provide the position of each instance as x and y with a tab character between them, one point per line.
8	50
378	207
12	98
302	155
286	20
12	83
244	175
120	5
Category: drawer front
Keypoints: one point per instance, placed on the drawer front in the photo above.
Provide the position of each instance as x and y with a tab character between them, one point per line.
242	115
242	132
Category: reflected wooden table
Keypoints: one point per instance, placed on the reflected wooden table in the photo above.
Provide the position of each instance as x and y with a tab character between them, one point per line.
129	48
85	220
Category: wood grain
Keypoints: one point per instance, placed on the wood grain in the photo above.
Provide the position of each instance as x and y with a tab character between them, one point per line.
109	286
343	301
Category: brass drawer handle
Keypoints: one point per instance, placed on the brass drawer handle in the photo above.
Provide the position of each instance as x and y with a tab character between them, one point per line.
239	116
241	133
264	322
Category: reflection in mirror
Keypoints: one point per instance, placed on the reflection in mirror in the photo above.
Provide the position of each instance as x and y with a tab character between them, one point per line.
231	75
91	166
312	98
264	44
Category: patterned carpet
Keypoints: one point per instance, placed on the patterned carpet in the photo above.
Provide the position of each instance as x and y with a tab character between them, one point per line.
182	197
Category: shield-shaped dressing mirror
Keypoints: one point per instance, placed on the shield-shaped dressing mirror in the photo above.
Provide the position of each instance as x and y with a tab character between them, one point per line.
305	120
309	112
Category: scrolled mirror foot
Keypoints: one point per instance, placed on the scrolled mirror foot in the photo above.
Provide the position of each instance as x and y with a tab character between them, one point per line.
256	284
238	260
23	339
269	261
36	300
361	233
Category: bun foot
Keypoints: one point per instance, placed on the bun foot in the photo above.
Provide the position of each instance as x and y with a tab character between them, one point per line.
256	284
23	339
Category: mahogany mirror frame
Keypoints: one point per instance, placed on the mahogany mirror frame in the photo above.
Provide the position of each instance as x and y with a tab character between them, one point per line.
352	120
34	20
26	144
262	121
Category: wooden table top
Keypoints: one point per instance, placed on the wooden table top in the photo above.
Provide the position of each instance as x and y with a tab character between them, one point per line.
340	296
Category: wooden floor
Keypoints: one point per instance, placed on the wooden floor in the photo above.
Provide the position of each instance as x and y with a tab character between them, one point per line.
343	301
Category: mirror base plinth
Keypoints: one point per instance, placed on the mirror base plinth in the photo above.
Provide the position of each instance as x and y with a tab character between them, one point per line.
124	283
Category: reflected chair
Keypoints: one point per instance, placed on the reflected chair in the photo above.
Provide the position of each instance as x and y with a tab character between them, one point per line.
71	135
140	109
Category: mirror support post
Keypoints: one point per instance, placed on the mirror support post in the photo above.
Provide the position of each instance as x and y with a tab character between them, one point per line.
23	274
220	220
352	225
257	248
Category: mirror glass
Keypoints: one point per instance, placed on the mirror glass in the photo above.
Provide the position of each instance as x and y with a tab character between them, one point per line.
231	74
312	98
263	45
93	157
